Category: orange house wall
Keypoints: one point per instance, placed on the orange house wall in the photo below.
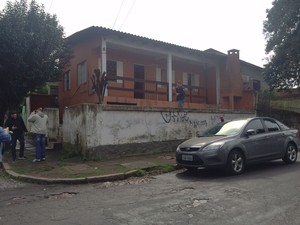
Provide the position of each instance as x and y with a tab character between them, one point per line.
91	52
180	68
245	102
150	65
224	81
234	74
211	86
129	60
83	94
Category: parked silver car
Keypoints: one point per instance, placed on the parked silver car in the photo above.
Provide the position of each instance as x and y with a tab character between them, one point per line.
240	142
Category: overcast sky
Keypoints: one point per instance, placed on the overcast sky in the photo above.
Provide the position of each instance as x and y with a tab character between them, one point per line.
198	24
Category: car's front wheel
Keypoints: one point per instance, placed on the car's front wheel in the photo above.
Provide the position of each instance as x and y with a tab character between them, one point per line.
290	154
235	163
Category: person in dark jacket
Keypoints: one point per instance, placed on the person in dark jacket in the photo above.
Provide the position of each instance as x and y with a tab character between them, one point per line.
180	94
17	126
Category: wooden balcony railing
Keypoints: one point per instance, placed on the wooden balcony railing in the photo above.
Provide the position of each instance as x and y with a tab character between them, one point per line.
143	88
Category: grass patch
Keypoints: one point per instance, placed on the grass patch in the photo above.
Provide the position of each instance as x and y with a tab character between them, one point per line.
61	165
164	168
140	173
99	171
36	168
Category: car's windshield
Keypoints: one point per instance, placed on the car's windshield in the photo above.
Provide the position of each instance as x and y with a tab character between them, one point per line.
213	130
232	128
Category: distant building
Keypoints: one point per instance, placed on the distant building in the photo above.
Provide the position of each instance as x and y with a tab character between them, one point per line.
144	72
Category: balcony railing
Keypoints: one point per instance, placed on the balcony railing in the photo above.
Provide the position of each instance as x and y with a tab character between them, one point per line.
143	88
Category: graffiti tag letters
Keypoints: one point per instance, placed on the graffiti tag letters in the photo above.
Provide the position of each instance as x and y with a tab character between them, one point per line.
182	117
175	117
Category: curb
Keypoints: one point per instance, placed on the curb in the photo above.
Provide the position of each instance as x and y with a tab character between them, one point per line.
84	180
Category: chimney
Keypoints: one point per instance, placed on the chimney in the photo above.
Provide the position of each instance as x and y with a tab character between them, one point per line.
234	73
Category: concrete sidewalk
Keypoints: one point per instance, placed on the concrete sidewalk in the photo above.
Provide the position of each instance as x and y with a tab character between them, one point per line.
57	170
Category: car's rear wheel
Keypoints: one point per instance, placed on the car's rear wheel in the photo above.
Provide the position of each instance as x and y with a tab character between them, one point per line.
235	163
290	154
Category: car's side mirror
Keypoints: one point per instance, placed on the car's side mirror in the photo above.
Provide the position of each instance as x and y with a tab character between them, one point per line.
250	132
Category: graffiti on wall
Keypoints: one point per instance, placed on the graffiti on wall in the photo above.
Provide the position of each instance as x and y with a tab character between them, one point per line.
182	117
216	118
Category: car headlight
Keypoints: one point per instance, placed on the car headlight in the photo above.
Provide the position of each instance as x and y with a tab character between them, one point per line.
213	146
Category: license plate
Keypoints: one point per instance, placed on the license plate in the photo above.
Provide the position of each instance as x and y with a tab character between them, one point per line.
187	157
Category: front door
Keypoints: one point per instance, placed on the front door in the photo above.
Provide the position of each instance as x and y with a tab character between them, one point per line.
139	85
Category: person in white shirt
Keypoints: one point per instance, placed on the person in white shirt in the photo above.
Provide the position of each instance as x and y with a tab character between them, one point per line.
38	126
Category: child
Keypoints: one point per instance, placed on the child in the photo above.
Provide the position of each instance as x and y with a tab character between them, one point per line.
4	137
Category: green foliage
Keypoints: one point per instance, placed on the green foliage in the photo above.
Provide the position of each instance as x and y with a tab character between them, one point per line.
165	168
263	102
140	173
32	50
282	32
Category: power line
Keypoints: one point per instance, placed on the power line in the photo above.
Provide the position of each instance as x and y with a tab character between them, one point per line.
127	14
50	6
118	14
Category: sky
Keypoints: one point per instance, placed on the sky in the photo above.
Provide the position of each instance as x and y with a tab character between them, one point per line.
199	24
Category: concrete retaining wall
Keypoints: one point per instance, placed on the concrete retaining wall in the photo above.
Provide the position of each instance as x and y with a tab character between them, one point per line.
97	130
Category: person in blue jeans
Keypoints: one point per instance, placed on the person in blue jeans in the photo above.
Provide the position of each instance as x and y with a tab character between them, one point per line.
5	137
38	126
180	94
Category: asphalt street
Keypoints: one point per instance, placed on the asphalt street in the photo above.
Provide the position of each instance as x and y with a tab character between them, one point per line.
266	194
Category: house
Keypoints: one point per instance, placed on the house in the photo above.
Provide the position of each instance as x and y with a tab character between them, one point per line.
143	72
139	112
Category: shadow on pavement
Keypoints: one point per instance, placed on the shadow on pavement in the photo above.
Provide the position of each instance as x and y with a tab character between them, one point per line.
258	169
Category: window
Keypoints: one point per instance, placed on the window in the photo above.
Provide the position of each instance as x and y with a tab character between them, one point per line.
271	125
256	85
185	79
82	73
161	76
111	68
191	80
67	81
195	81
114	69
256	125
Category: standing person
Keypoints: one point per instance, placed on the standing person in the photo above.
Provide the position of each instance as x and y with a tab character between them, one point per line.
17	127
4	137
39	123
180	94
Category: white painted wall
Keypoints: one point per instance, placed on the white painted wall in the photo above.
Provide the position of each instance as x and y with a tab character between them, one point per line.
53	123
95	125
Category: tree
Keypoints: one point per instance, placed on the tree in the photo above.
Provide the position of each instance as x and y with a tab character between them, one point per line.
99	84
282	32
32	51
